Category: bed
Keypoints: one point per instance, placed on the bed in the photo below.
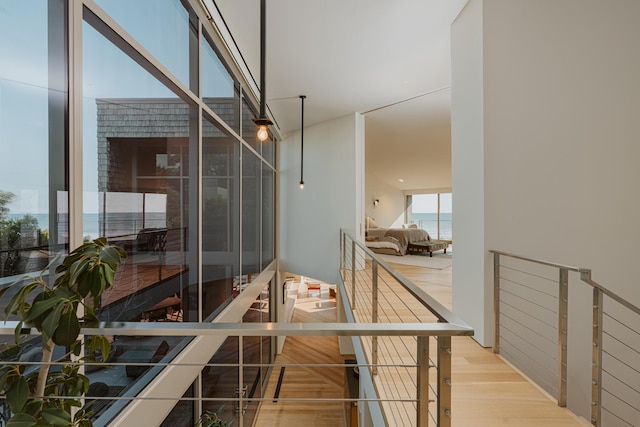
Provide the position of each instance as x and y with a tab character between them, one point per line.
392	241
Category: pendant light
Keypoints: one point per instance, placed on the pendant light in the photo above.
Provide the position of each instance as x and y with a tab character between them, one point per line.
263	121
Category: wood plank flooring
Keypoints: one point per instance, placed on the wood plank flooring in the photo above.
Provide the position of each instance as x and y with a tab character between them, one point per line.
486	390
307	382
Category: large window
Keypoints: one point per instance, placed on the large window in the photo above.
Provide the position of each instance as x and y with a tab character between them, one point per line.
163	168
432	212
33	104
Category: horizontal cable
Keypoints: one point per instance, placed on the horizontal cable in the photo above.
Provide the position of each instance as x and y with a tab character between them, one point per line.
620	381
611	413
554	342
553	373
620	323
504	279
528	301
623	343
619	399
503	302
553	357
620	360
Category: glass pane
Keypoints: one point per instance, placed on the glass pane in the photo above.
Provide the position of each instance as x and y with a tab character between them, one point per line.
222	381
249	128
161	26
219	91
268	148
139	147
425	213
33	103
446	225
268	215
220	218
251	167
182	415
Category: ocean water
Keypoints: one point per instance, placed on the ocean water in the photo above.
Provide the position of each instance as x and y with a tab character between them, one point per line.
109	225
429	222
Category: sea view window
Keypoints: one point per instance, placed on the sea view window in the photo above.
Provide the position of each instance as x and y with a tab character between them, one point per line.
432	212
145	148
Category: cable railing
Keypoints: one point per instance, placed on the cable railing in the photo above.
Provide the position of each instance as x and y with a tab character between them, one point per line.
531	312
376	293
234	397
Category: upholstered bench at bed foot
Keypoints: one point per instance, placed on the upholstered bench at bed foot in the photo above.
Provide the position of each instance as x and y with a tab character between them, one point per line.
427	246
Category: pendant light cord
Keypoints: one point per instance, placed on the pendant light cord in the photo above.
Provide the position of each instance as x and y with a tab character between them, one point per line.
263	57
302	98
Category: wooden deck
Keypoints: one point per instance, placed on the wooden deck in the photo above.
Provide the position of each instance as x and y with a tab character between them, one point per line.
486	390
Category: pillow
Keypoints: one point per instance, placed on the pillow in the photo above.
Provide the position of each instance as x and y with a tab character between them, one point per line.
409	225
370	223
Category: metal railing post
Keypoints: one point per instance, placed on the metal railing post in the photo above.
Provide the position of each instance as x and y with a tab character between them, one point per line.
353	274
444	381
343	250
563	332
422	415
496	303
374	315
596	367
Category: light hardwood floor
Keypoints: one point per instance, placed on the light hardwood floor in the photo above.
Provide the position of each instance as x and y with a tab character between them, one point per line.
486	390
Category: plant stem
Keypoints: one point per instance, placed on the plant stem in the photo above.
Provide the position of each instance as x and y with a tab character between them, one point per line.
44	370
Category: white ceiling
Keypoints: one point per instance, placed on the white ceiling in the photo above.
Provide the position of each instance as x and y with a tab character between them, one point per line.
360	55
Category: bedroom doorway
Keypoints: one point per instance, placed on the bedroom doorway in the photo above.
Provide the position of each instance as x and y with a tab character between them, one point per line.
431	212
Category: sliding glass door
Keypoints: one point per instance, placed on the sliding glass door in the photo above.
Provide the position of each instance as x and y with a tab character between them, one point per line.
431	212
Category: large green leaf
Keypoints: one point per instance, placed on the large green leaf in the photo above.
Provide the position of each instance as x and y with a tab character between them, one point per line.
21	420
40	308
56	417
68	329
33	407
17	395
109	274
66	293
97	282
42	296
76	270
19	298
51	322
110	255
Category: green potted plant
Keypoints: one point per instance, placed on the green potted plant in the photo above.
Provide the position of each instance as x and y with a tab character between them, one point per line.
212	419
53	308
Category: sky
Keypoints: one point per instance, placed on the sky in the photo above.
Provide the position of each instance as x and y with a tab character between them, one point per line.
161	26
427	203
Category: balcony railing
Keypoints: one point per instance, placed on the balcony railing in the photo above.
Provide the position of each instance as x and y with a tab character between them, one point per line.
417	331
376	293
531	305
401	336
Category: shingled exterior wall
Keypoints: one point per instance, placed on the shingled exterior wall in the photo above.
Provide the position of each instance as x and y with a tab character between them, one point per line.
123	121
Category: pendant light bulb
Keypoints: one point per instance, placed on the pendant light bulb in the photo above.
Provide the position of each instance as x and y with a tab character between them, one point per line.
263	133
302	185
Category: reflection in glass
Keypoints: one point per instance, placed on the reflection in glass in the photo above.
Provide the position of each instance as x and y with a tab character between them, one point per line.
251	250
33	103
219	91
161	27
220	213
268	215
137	175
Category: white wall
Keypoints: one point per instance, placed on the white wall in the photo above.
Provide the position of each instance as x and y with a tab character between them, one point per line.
310	219
390	210
560	114
470	297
